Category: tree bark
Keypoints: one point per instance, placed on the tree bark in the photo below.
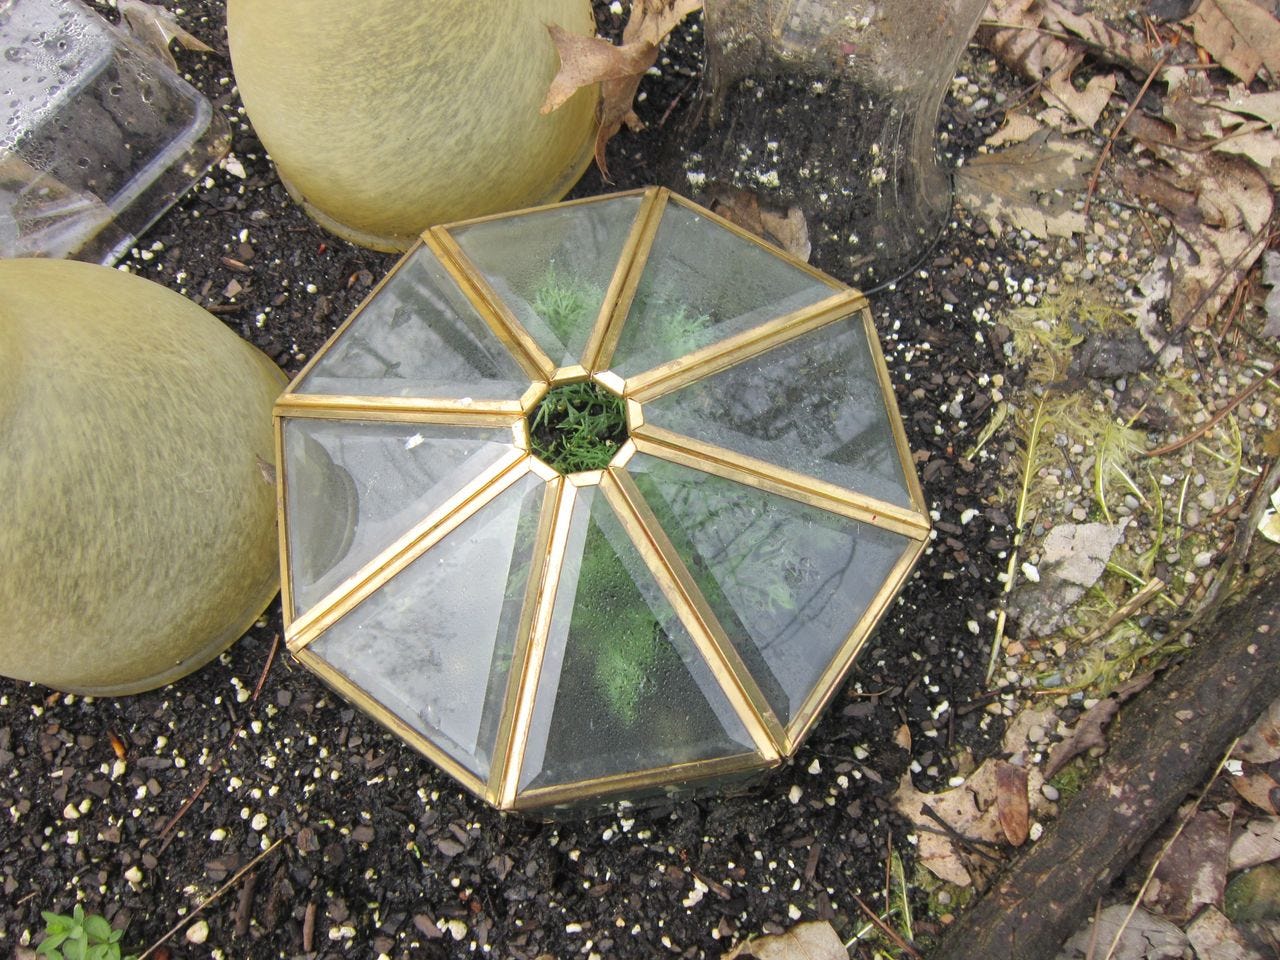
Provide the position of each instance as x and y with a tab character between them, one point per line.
1163	745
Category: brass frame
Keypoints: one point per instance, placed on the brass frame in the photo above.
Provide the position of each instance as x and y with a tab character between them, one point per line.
772	740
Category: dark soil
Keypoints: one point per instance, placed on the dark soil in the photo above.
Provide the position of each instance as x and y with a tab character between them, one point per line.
382	853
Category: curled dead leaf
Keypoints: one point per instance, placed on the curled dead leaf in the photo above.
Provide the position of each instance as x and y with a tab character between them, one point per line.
788	230
1240	35
157	28
816	940
618	69
1012	805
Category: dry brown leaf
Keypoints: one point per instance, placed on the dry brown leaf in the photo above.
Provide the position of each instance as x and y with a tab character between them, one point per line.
1258	788
788	230
1103	39
1012	806
1136	934
816	940
1259	843
1214	937
1239	35
1192	871
157	27
1089	731
1030	42
1017	128
1262	106
618	69
902	737
1023	47
652	20
1085	105
972	810
1261	742
1029	186
588	60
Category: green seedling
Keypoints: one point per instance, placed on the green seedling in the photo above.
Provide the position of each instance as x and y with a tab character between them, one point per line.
578	427
80	936
566	303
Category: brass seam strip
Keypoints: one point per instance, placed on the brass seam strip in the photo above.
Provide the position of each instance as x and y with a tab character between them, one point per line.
708	634
543	208
438	524
800	487
286	588
342	327
524	639
354	693
722	354
473	413
624	782
491	307
531	669
626	279
832	678
914	490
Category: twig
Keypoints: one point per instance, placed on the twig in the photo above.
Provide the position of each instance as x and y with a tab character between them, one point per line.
1213	421
262	677
166	831
209	899
1125	610
1133	907
968	843
309	927
1212	289
1115	132
887	930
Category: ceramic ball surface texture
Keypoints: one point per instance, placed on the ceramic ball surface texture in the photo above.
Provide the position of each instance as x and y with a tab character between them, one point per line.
384	118
139	539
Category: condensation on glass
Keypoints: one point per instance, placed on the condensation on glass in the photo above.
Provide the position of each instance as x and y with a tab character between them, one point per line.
99	137
673	622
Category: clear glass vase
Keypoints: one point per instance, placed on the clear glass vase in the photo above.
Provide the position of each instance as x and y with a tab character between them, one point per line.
856	87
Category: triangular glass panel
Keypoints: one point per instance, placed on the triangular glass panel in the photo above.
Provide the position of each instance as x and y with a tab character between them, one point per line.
352	487
434	644
813	405
622	687
418	336
552	267
788	582
701	284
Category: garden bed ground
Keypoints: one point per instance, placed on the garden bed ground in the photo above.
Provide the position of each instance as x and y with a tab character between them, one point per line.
141	807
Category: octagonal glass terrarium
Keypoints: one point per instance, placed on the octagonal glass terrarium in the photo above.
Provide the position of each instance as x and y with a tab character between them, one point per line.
595	500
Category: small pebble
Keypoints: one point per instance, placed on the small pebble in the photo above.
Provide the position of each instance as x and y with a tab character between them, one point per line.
198	932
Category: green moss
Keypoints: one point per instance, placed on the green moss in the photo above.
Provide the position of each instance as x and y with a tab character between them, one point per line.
577	427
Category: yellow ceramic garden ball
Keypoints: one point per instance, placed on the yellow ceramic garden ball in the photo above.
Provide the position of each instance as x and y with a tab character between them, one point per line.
139	536
385	117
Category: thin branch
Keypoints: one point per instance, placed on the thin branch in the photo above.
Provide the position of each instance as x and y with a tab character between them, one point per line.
1133	907
208	900
1111	140
1217	418
884	928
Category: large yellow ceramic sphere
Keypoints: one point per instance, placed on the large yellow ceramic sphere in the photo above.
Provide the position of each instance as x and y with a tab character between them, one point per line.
139	536
385	117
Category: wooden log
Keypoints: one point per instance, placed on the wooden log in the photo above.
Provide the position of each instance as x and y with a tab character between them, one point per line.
1163	745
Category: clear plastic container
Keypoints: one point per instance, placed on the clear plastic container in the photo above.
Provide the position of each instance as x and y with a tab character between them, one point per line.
99	137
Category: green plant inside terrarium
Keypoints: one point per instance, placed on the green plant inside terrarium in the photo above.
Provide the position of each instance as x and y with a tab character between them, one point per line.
577	427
